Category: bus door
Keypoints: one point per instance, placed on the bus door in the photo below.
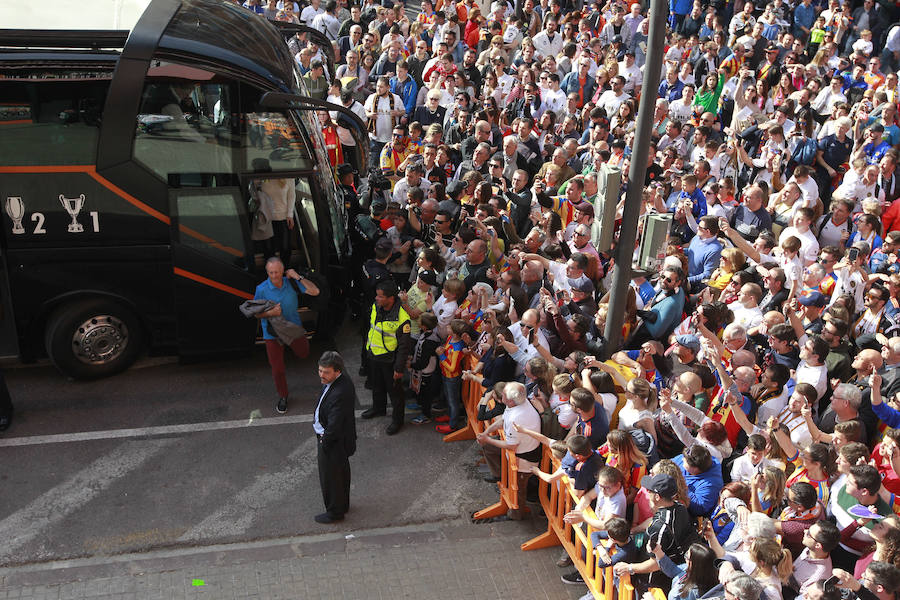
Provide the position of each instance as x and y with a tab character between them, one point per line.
213	264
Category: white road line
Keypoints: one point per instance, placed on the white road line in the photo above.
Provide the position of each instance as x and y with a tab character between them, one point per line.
237	515
111	434
53	506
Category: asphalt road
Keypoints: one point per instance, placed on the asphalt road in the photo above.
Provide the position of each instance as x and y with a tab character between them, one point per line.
168	455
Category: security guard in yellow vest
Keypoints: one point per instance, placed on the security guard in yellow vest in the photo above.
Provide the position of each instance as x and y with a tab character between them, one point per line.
387	346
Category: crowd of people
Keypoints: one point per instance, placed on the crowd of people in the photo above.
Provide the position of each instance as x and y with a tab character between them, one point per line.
742	442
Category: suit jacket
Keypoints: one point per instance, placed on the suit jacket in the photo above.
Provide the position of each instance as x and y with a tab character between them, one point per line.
336	415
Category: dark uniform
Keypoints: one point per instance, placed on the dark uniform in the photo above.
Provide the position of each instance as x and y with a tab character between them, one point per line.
373	273
387	345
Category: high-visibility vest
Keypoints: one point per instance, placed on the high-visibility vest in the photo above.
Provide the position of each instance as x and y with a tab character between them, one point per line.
382	337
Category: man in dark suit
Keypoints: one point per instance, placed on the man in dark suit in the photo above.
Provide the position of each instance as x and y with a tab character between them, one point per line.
335	427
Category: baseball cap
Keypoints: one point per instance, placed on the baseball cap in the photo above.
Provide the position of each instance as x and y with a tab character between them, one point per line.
661	484
816	299
582	285
379	205
585	207
689	341
429	277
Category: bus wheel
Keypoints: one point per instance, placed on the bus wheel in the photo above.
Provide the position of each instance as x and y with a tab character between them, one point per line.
93	338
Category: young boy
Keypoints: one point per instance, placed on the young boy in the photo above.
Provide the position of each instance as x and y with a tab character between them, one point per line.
445	307
451	363
581	464
610	514
424	382
753	460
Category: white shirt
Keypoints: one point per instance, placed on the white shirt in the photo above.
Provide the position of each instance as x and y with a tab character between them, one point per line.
814	376
830	234
327	24
402	187
748	318
743	468
633	76
309	13
854	284
317	426
609	102
383	120
554	101
809	245
525	415
444	309
544	46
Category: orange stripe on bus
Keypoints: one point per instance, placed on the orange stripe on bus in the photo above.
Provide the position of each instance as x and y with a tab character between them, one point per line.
211	283
92	171
17	122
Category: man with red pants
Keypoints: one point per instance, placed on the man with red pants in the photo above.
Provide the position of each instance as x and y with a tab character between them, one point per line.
278	289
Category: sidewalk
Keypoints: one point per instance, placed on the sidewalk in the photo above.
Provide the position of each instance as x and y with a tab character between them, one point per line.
452	560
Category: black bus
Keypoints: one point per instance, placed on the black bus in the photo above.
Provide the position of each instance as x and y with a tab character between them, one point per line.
131	134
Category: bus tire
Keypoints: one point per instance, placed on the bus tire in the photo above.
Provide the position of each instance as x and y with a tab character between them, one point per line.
93	338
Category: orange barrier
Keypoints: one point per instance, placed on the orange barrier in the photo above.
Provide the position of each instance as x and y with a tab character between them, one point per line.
557	499
471	396
508	485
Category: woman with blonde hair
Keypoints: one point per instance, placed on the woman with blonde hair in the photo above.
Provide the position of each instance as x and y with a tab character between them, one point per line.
767	490
623	454
731	261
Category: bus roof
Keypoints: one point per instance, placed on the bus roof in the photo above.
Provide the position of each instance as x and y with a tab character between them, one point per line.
73	15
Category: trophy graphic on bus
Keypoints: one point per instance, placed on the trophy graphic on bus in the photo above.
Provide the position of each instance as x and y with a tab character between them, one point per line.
73	206
15	208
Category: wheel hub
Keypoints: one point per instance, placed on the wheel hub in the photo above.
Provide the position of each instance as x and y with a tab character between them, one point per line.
100	339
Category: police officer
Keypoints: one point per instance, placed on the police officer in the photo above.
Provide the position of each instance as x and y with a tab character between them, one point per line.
347	178
373	272
364	235
387	345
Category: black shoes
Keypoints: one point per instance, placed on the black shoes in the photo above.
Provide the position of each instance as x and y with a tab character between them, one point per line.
281	405
325	518
393	428
491	479
370	413
573	578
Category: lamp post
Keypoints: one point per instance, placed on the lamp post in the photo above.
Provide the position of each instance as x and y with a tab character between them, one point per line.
636	174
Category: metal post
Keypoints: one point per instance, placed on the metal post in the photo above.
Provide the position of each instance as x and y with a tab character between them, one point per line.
636	174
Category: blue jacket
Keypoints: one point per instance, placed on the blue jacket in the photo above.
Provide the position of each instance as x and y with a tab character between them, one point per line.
680	7
407	92
570	85
703	489
670	93
703	258
804	16
888	415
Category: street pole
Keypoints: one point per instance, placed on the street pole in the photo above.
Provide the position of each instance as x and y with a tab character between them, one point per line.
636	174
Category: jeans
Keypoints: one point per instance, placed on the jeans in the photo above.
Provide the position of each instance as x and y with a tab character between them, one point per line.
452	390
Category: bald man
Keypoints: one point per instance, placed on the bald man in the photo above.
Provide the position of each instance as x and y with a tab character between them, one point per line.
475	268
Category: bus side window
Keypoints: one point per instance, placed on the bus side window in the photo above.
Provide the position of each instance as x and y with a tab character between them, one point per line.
52	121
184	126
213	221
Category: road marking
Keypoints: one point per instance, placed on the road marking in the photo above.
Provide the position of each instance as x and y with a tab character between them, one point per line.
53	506
145	432
236	516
